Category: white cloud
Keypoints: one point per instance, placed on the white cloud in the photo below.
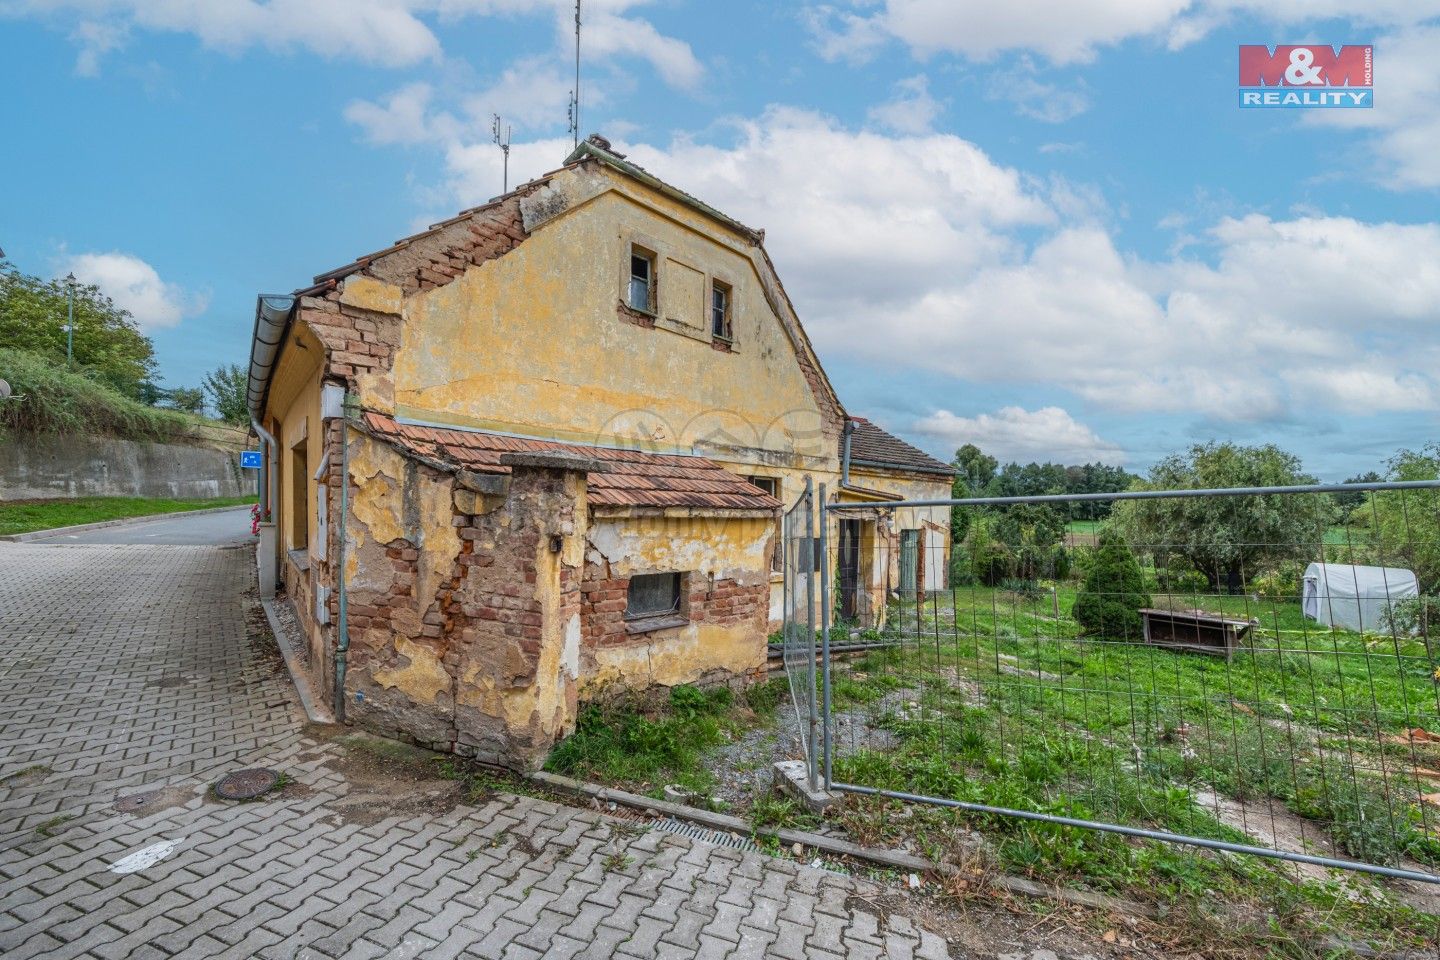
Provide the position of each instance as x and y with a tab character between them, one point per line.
531	92
390	33
135	286
1406	115
403	117
1014	433
1035	98
1071	31
912	110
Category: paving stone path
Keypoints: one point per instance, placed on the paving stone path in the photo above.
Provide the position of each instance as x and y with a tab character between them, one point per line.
126	669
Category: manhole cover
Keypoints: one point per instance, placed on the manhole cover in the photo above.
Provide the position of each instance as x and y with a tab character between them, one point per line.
136	801
247	784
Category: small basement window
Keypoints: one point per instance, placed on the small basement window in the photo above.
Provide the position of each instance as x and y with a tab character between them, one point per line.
653	595
642	280
720	311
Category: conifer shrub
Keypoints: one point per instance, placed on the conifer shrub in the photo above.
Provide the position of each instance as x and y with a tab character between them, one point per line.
1113	593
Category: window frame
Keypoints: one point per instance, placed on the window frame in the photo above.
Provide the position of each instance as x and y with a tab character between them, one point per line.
676	615
727	318
639	251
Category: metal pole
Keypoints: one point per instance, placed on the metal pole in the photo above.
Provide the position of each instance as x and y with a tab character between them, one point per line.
1144	834
70	325
1150	495
825	615
809	541
342	643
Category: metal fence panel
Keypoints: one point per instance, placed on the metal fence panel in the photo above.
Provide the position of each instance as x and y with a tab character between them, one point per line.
1168	684
798	620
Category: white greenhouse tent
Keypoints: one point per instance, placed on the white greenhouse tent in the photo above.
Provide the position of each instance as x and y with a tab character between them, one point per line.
1353	597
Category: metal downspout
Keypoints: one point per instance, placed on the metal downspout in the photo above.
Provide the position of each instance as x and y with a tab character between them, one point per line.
342	642
845	455
267	495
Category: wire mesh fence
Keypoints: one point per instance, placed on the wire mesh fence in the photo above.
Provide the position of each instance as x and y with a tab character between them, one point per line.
1250	671
801	607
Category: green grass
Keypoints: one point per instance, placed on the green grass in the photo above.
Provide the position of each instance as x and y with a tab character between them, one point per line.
29	516
646	746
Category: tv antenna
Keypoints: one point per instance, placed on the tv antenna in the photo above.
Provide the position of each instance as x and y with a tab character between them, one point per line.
575	93
501	135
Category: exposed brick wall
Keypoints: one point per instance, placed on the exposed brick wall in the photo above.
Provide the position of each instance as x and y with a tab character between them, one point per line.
725	602
358	340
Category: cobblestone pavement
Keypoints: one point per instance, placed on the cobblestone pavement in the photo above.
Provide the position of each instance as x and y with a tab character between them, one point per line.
131	668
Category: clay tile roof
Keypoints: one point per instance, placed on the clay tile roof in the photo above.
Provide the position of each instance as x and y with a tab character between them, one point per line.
871	446
635	478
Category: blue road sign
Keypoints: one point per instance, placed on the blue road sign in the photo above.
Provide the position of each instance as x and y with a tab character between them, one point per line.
249	459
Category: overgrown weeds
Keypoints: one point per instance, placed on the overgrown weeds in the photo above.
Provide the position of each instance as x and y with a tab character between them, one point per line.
630	742
59	401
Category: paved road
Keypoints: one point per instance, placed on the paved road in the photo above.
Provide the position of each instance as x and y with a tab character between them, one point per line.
185	529
132	668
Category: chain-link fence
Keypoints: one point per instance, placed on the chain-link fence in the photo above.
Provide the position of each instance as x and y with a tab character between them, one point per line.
1251	670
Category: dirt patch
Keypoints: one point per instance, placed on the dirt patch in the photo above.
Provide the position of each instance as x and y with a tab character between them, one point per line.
386	777
26	776
149	802
1271	824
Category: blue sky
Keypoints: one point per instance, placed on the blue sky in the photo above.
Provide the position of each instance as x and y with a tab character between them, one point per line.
1046	228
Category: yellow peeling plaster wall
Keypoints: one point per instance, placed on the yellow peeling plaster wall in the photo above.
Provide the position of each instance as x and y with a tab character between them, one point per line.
294	406
532	341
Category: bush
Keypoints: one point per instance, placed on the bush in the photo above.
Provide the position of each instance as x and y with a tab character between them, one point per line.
59	401
1413	617
1280	584
1025	589
1110	599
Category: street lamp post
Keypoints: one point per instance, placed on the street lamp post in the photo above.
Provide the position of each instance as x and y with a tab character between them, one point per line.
70	324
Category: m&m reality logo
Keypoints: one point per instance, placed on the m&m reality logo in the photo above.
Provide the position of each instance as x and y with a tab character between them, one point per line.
1311	75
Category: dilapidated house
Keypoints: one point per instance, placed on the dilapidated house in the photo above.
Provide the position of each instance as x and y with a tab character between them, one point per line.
539	452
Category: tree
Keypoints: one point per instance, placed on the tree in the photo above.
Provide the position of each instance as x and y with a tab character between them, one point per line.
1407	522
975	467
1347	502
108	346
188	399
1109	601
1228	539
225	387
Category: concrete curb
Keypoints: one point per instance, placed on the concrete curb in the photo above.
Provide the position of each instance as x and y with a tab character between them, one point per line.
102	524
893	859
315	709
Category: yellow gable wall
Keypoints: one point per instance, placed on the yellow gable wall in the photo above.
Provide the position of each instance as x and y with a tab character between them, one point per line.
531	342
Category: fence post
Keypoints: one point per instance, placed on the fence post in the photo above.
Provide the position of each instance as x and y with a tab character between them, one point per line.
825	615
809	541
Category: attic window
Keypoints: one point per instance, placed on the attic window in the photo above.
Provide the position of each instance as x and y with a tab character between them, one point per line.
642	280
720	311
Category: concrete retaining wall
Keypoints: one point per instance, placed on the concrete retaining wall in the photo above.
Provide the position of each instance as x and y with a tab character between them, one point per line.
37	468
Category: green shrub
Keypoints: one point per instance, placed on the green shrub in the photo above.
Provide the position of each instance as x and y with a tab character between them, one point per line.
1110	599
59	401
1025	589
1281	583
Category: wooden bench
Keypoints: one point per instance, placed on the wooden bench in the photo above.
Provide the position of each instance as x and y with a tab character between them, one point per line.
1195	630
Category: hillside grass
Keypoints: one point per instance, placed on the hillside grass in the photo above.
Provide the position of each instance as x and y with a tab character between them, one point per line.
49	400
31	515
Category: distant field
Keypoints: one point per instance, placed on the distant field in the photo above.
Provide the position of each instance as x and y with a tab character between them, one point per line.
27	516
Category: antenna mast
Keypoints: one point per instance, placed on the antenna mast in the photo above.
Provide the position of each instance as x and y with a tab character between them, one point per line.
575	94
502	140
